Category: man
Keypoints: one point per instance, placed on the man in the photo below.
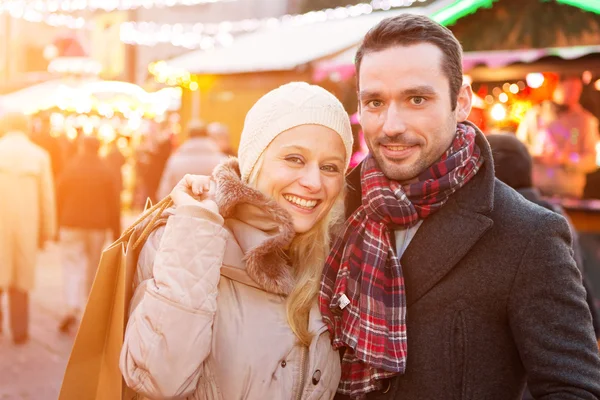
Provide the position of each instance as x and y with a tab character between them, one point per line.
88	198
561	135
27	216
198	155
445	283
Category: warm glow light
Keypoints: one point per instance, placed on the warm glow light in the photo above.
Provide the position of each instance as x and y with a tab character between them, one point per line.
88	128
503	97
514	88
106	133
498	112
597	85
518	110
467	79
193	86
134	123
586	77
535	80
71	133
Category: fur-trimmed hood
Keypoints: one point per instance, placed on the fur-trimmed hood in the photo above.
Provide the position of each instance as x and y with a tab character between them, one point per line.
261	228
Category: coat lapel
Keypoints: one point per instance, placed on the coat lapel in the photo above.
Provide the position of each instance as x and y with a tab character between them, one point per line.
447	236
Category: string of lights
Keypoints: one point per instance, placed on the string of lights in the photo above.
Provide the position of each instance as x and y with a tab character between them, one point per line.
20	10
72	6
190	36
207	36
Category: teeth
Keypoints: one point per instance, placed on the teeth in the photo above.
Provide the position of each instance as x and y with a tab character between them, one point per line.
398	148
301	202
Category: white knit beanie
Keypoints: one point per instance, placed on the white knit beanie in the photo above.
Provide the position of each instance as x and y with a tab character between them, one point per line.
286	107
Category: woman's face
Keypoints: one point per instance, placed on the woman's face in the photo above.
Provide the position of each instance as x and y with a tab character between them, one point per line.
303	170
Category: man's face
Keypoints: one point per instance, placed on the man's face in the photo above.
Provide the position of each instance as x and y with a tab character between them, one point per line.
405	108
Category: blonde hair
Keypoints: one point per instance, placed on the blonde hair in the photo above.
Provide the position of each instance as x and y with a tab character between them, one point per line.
308	253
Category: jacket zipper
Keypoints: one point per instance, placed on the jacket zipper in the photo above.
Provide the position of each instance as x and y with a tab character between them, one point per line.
303	361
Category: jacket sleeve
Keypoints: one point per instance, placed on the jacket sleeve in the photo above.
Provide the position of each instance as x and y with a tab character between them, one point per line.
550	320
169	333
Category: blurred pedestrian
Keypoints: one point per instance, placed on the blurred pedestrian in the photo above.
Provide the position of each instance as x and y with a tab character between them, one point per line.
159	150
89	206
561	136
27	216
219	133
115	161
42	137
199	155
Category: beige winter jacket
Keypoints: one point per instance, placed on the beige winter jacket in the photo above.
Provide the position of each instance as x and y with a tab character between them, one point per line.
208	318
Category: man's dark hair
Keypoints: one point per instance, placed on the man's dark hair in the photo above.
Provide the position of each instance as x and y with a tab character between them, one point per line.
408	30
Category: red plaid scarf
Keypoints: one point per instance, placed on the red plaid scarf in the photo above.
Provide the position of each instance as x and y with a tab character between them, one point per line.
364	268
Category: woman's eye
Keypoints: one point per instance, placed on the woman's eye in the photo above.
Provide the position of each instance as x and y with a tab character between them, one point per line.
294	160
417	101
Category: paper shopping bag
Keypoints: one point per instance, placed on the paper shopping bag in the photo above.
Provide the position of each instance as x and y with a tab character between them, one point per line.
93	369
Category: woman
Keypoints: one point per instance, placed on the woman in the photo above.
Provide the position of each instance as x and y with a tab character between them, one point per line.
225	304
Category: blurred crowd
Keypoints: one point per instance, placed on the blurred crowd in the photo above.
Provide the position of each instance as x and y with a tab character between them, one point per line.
70	191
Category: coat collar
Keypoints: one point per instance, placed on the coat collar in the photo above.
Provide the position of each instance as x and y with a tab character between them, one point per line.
261	229
452	231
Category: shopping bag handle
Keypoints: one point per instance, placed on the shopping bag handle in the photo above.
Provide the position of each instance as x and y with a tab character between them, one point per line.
161	206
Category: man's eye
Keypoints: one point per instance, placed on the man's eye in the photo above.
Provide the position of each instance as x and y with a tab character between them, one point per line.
417	101
375	103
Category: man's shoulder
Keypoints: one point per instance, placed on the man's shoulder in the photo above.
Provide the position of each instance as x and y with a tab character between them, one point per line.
515	212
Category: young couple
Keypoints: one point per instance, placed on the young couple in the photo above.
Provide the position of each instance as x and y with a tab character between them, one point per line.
443	283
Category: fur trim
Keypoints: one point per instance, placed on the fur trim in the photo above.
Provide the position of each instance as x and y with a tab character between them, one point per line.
267	264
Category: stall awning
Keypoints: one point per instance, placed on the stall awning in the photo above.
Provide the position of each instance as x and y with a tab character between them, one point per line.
283	48
491	59
496	59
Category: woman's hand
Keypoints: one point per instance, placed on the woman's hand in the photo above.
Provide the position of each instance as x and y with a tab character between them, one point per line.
195	190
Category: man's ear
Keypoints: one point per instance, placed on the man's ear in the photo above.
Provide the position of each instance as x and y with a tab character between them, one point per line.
464	103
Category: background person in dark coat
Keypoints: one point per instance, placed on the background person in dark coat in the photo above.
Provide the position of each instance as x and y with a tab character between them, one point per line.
88	207
493	296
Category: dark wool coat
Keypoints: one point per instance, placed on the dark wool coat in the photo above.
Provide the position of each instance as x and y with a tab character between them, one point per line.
494	300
